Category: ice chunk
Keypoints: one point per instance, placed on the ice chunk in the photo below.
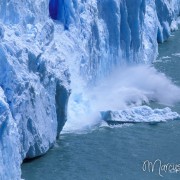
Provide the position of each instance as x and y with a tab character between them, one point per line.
139	114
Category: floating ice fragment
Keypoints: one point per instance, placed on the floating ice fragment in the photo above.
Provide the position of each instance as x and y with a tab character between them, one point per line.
139	114
176	54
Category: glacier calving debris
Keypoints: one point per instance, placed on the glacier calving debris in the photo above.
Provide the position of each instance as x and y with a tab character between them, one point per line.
139	114
38	54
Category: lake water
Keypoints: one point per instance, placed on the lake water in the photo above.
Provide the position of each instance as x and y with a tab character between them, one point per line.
117	153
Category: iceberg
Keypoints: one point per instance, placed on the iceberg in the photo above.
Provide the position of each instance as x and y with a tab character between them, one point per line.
50	47
139	114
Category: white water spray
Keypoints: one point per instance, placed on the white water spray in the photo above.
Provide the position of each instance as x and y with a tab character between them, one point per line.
126	87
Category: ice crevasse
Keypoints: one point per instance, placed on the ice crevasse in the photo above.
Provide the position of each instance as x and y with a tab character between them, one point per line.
43	42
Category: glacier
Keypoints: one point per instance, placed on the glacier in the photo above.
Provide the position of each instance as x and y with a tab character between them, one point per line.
50	49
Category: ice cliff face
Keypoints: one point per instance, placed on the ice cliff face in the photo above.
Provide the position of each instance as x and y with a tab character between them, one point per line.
117	31
9	151
88	37
35	84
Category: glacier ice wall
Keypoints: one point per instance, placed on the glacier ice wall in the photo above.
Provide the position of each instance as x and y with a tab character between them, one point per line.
42	41
9	151
34	81
117	31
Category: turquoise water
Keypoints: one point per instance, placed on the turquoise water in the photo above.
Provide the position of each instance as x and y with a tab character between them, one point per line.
117	153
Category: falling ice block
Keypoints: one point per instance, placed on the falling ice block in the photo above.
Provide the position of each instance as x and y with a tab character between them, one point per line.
140	114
